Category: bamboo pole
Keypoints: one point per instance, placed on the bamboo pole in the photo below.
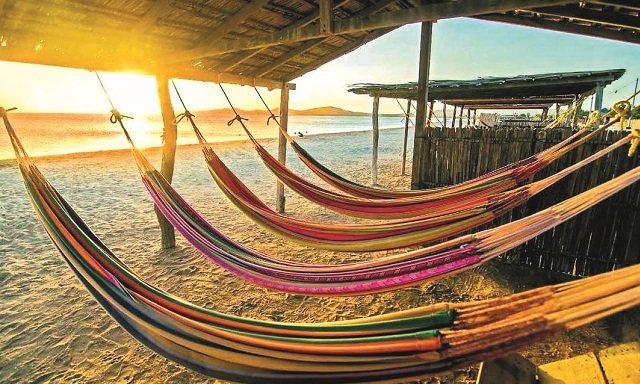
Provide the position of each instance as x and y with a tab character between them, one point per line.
170	138
406	136
282	143
420	136
376	138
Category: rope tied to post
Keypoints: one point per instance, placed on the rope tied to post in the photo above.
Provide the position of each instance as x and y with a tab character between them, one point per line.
3	112
271	115
593	120
635	131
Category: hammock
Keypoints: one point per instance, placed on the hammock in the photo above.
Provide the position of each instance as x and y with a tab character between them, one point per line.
431	204
503	178
398	346
438	224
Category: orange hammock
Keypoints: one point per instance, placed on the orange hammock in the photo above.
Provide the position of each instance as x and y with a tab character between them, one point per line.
439	224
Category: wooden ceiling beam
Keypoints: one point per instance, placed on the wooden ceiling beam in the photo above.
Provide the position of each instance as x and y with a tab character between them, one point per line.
597	17
431	12
314	43
567	27
628	4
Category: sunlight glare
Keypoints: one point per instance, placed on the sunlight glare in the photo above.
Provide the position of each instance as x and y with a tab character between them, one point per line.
132	94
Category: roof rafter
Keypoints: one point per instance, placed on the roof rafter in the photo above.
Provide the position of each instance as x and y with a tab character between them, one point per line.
629	4
431	12
157	9
573	12
565	27
314	43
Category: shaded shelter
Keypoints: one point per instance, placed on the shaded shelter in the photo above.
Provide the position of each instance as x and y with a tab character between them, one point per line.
266	43
539	91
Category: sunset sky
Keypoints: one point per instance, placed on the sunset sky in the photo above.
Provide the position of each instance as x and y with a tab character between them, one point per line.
462	49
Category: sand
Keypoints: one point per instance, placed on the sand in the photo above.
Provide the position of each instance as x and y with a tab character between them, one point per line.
52	331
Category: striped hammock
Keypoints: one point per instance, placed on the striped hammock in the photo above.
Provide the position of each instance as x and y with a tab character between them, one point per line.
432	202
453	217
397	346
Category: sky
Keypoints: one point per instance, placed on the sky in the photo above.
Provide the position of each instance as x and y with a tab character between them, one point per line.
461	49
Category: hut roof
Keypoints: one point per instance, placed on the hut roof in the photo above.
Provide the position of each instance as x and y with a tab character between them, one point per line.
261	42
500	92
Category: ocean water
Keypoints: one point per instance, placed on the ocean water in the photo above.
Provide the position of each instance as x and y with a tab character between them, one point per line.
55	134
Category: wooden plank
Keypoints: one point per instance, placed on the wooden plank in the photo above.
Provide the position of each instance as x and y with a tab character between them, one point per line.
621	363
576	370
406	136
325	18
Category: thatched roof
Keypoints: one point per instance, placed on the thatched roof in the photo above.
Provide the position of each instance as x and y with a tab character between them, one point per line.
262	42
532	91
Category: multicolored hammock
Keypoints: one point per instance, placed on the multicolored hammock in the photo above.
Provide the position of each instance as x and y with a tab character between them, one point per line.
432	203
440	223
503	178
398	346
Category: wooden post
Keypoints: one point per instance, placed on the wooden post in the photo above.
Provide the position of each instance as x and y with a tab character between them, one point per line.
453	120
376	138
325	18
598	102
557	110
544	114
170	138
444	115
282	143
468	117
474	117
406	136
420	135
460	117
430	114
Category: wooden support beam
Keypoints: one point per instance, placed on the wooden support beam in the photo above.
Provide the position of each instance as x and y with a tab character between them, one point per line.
325	17
264	70
420	135
460	117
444	114
475	121
170	138
453	119
407	118
468	116
576	113
597	105
376	139
576	14
628	4
431	12
282	142
573	28
431	112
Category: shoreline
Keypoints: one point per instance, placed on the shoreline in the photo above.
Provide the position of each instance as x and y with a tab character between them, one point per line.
234	142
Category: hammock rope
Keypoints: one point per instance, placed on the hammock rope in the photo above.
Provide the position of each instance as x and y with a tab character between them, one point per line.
403	345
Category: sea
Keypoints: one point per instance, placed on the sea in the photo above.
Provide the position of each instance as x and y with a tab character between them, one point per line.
46	134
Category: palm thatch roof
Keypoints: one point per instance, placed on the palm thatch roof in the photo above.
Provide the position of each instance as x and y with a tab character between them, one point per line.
258	42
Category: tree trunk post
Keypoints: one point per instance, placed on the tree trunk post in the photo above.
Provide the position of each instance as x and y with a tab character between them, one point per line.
170	138
282	143
420	135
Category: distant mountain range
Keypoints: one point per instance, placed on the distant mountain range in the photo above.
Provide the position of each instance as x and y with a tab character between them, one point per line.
320	111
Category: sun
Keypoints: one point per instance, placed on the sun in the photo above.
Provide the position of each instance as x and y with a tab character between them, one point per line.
132	94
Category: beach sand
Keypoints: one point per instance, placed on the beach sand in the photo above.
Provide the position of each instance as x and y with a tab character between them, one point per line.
52	331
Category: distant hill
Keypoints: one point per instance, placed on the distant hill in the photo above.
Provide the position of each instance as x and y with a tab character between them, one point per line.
320	111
